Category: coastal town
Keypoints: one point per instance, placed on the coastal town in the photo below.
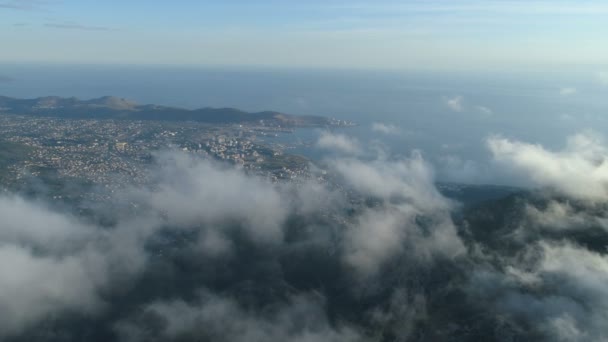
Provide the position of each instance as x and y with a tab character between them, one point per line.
113	153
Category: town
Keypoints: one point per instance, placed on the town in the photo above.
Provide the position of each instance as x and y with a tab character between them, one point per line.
111	154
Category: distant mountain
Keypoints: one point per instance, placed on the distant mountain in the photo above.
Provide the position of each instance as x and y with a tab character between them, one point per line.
109	107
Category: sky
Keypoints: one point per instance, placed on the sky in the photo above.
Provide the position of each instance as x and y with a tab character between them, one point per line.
380	34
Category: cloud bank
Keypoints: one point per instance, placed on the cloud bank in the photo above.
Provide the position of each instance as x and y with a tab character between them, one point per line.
212	217
339	143
368	249
579	170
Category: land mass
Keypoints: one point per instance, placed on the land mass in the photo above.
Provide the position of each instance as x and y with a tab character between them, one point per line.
110	107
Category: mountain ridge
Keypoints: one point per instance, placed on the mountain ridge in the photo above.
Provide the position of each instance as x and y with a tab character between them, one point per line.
111	107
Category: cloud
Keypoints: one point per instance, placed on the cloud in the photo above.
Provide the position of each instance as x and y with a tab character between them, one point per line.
339	143
407	191
579	170
303	318
568	91
24	5
192	192
408	179
557	288
379	236
497	7
388	129
485	110
563	216
73	26
209	245
455	103
208	251
52	263
33	287
26	223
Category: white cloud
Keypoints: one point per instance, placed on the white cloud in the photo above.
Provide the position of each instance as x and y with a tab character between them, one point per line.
191	192
580	170
32	287
407	191
557	216
388	129
455	103
51	263
411	179
339	143
26	223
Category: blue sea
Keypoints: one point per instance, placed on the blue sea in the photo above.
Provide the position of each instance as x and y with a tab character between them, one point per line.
445	115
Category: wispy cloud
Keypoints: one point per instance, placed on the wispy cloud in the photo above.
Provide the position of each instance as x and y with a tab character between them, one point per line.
388	129
73	26
492	6
23	5
485	110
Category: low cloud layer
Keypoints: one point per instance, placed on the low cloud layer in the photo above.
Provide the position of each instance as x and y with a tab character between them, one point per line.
579	170
406	191
367	249
556	288
215	318
339	143
54	263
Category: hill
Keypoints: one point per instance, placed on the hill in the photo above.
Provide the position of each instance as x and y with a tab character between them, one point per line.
110	107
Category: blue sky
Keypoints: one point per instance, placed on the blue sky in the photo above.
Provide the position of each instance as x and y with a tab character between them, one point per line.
352	34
